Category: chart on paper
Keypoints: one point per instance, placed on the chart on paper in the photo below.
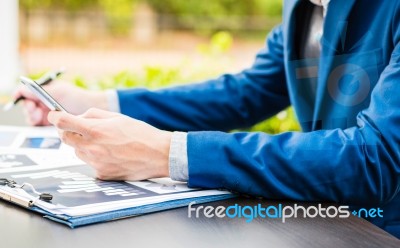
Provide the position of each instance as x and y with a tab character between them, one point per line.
14	160
76	185
29	138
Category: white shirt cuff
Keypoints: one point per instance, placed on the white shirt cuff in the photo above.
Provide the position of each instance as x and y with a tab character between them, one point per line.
113	101
178	159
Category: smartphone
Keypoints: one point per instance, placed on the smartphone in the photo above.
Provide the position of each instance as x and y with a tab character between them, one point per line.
42	94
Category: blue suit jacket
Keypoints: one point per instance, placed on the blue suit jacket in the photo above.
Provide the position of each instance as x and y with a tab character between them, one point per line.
347	101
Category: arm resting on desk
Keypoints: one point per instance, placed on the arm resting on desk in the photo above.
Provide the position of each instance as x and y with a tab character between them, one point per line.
358	165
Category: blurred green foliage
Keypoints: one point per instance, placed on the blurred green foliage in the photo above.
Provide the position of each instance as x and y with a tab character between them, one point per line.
216	14
119	14
155	77
193	14
218	7
70	5
220	43
178	7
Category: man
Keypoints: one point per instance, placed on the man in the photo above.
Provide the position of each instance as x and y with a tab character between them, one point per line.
337	64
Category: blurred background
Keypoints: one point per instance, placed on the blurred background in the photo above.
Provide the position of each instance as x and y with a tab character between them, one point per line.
129	43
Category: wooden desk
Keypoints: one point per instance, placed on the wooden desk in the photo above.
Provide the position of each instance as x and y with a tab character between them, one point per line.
173	228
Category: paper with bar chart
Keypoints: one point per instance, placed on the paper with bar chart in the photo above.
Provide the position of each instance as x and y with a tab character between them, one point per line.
29	147
76	186
52	168
29	138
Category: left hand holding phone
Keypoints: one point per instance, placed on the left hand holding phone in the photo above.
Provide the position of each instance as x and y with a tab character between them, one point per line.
75	100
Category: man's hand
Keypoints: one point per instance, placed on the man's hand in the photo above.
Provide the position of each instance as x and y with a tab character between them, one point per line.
118	147
74	99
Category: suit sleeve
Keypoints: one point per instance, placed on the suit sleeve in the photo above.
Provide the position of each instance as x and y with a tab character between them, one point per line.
358	165
225	103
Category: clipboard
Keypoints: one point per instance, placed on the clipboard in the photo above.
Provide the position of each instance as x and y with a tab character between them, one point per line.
60	204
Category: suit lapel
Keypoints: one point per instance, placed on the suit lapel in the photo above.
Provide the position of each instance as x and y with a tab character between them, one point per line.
332	43
289	28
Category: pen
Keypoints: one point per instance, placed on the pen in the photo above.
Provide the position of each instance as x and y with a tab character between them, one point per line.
44	80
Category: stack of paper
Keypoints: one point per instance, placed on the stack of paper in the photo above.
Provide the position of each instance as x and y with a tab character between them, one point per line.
36	156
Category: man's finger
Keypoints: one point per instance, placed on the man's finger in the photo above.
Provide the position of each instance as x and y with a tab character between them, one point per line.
96	113
81	155
68	122
29	106
25	92
73	139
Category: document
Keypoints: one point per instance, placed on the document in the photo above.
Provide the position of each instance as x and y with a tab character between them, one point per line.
35	161
29	147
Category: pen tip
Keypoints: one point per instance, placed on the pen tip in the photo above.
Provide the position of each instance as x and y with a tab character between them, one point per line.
8	106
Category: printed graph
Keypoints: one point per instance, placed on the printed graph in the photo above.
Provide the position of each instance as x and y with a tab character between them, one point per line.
76	185
14	160
41	143
73	182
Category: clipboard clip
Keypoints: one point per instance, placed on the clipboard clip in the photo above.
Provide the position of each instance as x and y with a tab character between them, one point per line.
12	184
